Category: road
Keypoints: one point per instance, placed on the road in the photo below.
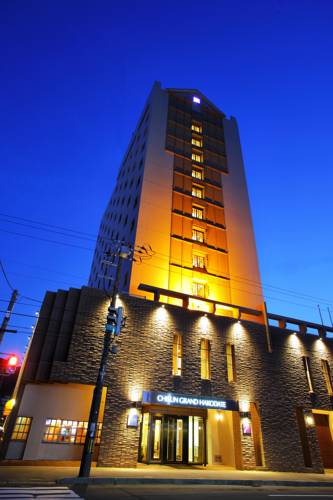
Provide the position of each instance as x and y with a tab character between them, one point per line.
197	492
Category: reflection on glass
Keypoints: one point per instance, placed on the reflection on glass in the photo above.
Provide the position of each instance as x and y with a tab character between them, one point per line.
144	437
179	440
195	439
157	439
171	440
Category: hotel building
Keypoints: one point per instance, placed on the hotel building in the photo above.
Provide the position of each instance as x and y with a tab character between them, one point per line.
204	374
181	189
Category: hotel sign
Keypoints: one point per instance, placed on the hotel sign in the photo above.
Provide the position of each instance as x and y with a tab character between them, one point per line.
173	399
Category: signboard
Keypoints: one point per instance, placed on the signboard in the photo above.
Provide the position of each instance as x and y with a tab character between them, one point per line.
173	399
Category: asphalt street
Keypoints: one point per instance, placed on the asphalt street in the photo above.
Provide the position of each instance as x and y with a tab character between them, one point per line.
175	492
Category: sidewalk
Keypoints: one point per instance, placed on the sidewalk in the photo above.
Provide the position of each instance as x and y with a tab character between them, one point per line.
49	475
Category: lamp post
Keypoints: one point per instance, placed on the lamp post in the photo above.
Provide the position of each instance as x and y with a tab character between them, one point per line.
112	330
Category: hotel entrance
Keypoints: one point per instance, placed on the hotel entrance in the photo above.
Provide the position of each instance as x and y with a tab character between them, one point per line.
173	439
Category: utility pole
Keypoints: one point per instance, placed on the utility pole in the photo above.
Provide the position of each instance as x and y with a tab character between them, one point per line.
112	329
5	321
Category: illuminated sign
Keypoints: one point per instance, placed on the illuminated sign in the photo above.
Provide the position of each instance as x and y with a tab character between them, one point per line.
172	399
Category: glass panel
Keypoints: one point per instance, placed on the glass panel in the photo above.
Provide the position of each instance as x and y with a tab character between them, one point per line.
157	439
196	440
179	440
190	439
171	440
144	437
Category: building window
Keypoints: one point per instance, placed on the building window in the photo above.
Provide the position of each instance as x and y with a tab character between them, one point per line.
197	173
197	212
199	288
68	431
307	369
197	191
198	261
197	157
231	363
21	429
198	235
196	141
205	358
327	376
197	127
177	353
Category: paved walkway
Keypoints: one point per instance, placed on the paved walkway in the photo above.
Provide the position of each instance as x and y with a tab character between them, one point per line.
42	475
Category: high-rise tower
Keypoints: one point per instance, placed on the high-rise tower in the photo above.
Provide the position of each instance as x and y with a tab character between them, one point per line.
181	188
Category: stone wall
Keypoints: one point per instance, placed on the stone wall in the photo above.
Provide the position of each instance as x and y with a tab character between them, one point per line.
274	381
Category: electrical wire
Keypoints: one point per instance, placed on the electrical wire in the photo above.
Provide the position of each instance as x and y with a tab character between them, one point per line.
280	290
5	276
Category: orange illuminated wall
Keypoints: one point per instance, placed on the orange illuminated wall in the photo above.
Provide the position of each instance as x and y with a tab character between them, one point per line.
192	206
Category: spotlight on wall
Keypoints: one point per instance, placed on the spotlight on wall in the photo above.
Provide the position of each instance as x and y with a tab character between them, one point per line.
239	316
309	420
205	315
135	395
294	333
163	305
244	406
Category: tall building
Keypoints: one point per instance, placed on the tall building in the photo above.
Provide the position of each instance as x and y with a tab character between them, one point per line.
208	377
181	189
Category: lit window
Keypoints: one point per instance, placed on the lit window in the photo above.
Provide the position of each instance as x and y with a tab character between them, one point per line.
327	376
68	431
196	100
231	364
196	127
198	261
197	142
199	289
21	428
177	352
307	369
197	157
197	212
197	191
197	173
205	358
198	235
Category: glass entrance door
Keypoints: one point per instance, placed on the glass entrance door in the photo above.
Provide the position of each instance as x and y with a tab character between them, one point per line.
175	431
175	439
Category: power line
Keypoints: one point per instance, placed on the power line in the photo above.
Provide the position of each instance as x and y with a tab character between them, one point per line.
48	225
5	276
280	290
46	240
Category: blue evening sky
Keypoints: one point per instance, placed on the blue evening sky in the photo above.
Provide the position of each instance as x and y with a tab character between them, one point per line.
74	78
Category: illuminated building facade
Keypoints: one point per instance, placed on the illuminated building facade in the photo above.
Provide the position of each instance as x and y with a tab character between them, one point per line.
186	387
182	190
204	374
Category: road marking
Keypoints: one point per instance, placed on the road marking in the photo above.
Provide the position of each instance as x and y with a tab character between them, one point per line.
52	493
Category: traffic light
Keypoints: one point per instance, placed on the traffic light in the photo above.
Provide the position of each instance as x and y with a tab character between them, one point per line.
114	320
12	363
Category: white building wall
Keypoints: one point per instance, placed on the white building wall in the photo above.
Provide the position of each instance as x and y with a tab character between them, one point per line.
60	401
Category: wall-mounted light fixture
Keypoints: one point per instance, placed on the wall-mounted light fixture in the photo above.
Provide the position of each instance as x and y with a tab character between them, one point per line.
309	419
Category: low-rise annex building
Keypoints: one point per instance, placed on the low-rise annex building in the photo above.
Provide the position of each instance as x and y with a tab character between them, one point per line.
186	387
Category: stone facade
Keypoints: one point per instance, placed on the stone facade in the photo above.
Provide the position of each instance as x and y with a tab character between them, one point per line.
68	341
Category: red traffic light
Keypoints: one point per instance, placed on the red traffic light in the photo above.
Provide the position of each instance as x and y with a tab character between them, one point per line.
12	361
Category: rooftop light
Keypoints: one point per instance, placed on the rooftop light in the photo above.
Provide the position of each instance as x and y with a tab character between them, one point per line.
196	100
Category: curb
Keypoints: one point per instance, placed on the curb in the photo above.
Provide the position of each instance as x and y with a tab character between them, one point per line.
227	482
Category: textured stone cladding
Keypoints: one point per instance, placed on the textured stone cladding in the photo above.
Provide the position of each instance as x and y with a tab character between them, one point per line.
275	381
